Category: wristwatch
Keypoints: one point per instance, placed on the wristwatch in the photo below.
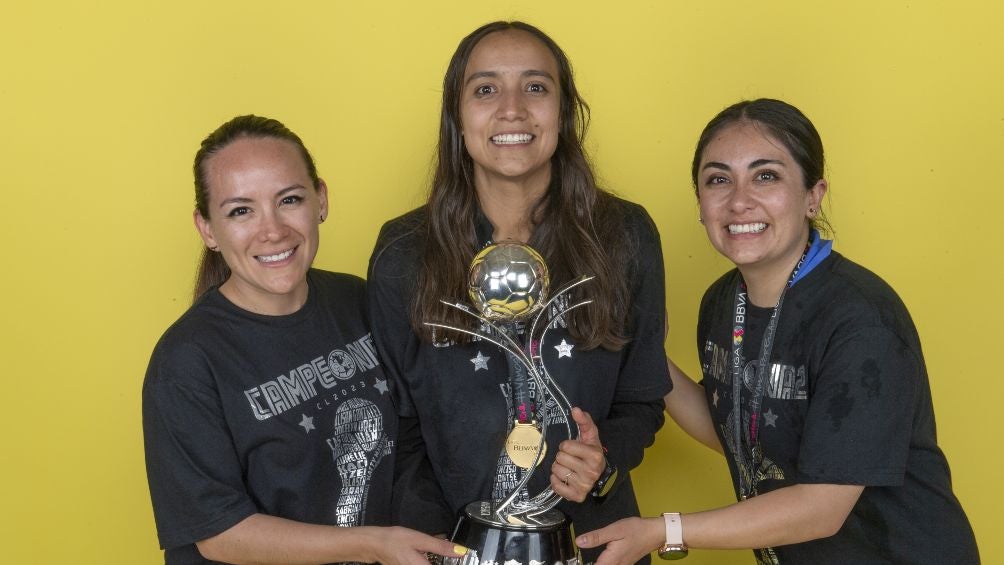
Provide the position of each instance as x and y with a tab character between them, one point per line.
606	482
674	547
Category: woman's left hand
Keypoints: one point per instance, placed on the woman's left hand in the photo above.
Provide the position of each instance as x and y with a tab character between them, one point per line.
627	540
579	462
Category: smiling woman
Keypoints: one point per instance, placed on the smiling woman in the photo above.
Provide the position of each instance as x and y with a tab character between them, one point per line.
264	211
511	166
754	204
814	385
244	466
509	110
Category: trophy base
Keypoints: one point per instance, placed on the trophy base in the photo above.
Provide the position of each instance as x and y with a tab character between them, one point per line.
549	541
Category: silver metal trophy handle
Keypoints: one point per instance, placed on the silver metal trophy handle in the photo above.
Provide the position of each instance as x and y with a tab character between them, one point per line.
528	511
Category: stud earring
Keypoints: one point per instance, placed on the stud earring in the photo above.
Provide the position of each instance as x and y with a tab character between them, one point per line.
700	219
215	248
812	211
322	218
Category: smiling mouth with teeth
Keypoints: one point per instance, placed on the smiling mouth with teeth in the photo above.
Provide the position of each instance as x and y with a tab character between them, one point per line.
275	258
512	138
755	227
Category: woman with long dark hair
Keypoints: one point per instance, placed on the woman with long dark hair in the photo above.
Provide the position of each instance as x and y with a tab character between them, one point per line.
511	166
814	386
269	430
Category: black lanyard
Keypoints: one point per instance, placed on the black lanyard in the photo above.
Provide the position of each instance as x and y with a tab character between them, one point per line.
519	381
750	431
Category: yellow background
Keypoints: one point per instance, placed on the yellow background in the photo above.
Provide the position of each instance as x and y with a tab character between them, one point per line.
102	105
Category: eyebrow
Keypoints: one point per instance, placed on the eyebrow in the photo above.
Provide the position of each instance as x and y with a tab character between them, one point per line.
493	74
753	165
245	200
762	162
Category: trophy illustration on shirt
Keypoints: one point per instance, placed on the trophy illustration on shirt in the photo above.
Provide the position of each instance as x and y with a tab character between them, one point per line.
508	286
357	446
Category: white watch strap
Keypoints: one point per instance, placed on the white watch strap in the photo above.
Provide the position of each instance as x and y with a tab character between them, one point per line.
674	528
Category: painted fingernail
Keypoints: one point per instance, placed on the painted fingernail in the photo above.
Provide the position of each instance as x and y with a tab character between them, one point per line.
460	550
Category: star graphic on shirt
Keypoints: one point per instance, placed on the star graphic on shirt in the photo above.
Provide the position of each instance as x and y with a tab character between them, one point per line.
714	398
564	349
770	418
481	361
381	385
307	423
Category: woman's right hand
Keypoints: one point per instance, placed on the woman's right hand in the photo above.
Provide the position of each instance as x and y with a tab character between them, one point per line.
401	546
627	540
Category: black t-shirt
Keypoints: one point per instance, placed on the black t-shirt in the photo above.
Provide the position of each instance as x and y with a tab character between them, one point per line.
288	416
847	401
456	396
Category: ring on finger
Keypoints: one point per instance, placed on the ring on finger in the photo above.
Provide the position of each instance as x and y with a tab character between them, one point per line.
567	476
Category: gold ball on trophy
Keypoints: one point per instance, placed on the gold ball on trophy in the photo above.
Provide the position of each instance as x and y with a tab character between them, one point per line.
508	281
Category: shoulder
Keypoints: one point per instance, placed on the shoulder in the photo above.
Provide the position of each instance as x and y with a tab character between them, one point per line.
850	284
399	245
341	285
850	297
634	216
720	290
627	223
404	229
181	354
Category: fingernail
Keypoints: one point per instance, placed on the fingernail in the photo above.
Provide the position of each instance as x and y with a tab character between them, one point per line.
460	550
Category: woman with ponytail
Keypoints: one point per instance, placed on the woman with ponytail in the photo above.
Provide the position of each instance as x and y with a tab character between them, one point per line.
269	431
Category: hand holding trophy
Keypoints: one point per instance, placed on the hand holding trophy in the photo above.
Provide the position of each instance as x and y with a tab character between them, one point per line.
508	286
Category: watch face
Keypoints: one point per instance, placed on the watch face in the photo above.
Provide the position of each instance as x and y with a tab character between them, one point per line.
673	552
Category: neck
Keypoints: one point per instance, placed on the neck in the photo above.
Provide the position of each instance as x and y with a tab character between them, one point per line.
764	289
509	206
272	305
764	286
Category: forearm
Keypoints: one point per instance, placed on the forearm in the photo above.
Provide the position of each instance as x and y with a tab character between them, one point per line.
789	515
793	514
629	428
688	407
263	539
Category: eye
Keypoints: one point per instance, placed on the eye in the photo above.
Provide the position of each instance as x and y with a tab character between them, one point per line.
290	200
766	176
484	90
239	211
716	180
536	88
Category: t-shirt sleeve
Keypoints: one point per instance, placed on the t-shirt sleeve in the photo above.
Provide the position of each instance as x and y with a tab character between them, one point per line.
388	289
418	500
859	422
637	411
193	469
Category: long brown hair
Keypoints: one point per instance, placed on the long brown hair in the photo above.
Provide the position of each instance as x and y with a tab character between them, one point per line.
213	270
578	228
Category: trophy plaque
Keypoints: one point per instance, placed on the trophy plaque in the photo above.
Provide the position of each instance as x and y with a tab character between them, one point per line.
508	287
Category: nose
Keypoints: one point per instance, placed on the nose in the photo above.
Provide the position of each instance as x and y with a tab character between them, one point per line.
511	105
273	226
741	198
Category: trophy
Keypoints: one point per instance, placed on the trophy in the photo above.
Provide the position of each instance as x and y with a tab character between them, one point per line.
508	286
